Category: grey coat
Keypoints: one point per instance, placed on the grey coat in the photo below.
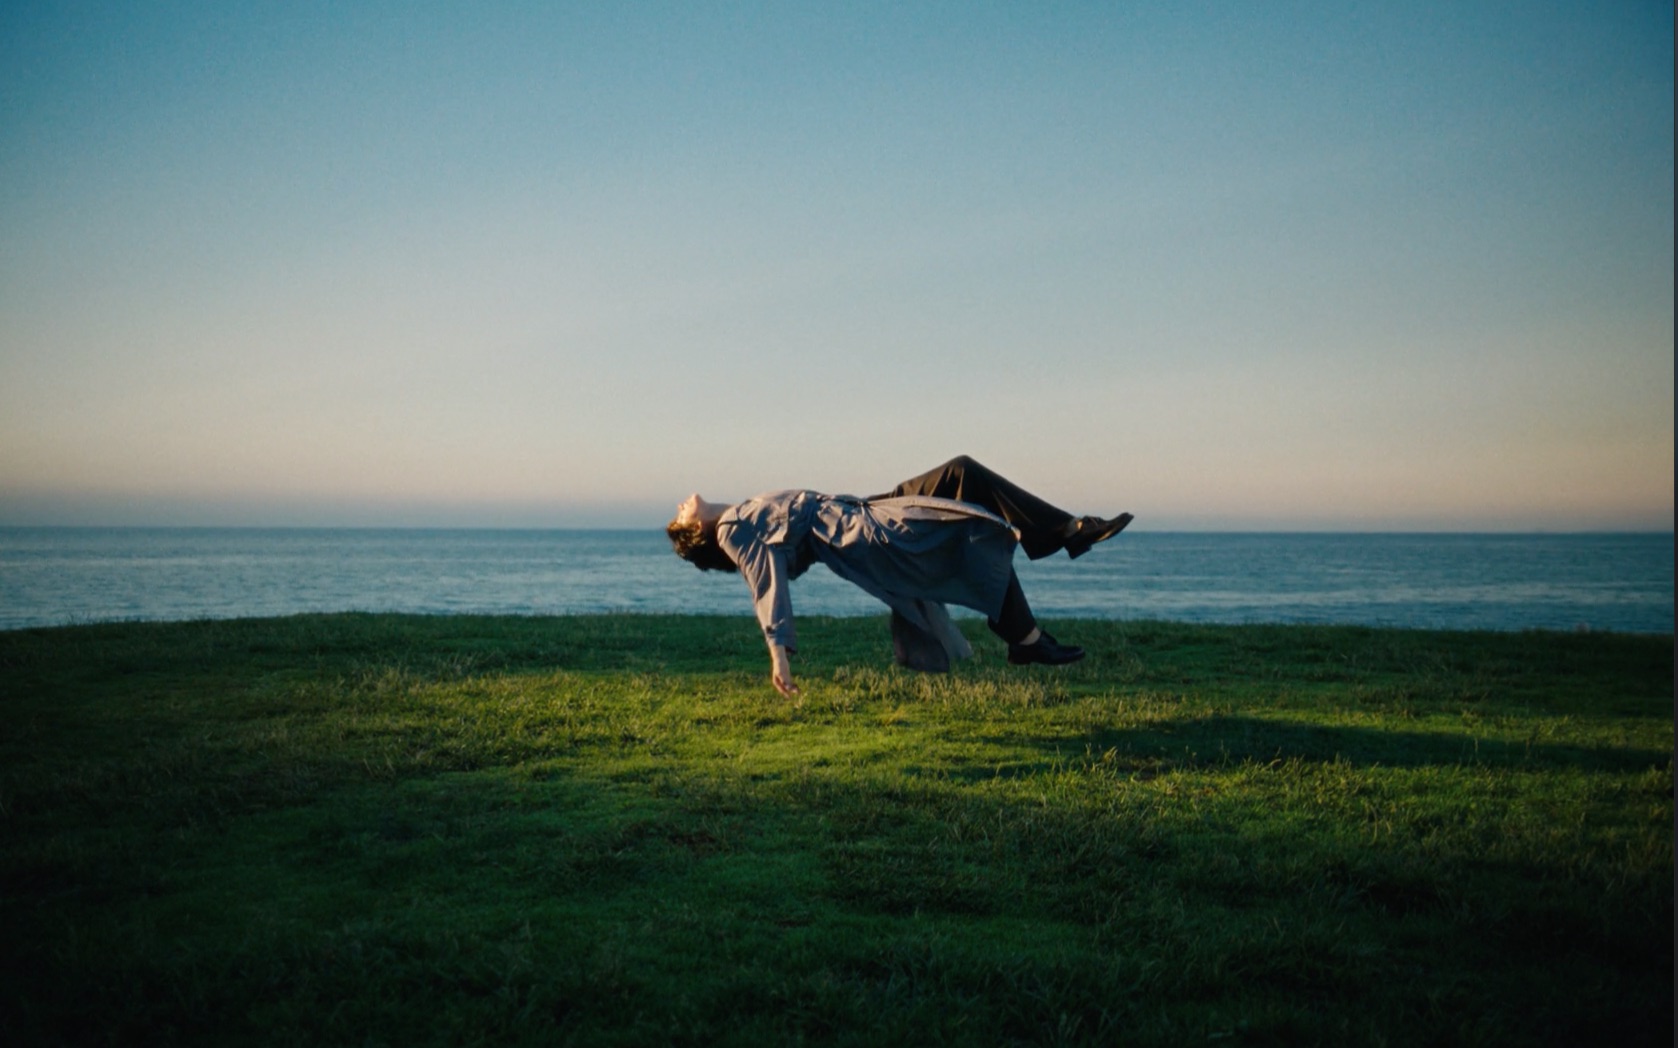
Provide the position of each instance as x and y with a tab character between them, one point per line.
915	554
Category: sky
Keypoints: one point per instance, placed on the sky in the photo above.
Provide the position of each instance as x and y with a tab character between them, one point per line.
1279	266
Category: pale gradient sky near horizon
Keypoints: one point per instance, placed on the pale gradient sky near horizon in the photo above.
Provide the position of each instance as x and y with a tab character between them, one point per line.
1244	266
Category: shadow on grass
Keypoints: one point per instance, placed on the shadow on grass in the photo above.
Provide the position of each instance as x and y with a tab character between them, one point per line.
704	906
1222	740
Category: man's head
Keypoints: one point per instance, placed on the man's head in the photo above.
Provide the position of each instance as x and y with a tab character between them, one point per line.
693	534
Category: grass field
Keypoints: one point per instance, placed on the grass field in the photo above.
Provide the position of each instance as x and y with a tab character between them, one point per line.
372	829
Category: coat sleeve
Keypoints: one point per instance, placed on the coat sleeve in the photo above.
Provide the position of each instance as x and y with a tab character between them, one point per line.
764	567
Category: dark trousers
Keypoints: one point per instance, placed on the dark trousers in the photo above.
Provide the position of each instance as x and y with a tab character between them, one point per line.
1015	621
1042	527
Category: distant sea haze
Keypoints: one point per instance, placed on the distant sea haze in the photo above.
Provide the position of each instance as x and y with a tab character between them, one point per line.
1615	582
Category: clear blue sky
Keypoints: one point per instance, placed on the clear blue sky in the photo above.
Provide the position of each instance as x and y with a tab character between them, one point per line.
1224	265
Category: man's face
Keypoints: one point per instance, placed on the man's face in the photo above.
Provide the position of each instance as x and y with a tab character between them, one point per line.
687	511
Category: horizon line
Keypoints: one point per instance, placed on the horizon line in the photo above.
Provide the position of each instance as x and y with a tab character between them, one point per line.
643	528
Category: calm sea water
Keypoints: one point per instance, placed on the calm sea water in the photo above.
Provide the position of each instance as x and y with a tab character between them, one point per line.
51	576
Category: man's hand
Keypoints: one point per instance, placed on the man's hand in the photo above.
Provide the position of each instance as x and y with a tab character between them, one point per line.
780	671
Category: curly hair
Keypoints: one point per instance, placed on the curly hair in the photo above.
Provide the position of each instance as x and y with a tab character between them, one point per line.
696	543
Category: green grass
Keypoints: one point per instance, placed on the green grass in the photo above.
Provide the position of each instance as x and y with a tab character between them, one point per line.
360	829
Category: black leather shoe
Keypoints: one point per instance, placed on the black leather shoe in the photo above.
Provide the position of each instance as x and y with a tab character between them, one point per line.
1045	651
1087	531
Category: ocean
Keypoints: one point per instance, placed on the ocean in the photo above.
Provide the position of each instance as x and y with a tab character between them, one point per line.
1615	582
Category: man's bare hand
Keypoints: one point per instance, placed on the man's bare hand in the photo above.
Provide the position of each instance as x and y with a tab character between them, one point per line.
780	671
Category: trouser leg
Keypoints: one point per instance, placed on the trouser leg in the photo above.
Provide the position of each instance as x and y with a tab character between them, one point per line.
1015	621
1042	526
